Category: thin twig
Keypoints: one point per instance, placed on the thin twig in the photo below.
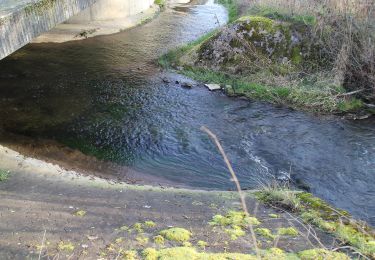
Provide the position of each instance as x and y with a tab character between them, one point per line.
235	179
351	248
350	93
41	248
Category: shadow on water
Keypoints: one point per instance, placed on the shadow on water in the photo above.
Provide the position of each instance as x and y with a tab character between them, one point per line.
107	97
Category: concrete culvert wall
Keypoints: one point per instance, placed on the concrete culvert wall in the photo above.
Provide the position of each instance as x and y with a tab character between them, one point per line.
111	9
23	21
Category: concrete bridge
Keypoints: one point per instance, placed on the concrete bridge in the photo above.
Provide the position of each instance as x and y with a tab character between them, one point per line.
23	20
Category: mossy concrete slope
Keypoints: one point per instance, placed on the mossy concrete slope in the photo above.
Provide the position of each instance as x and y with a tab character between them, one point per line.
46	210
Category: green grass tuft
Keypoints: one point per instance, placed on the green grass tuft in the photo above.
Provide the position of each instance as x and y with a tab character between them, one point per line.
4	175
232	7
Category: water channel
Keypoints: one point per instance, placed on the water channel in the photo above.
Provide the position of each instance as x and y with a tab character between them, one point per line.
107	97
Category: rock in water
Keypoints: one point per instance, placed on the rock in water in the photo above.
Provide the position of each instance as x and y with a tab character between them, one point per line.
186	85
228	89
213	87
165	80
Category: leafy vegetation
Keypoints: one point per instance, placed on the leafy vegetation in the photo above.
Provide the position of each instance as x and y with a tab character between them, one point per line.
4	175
160	3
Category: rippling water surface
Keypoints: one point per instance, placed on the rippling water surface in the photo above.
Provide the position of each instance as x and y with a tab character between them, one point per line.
105	96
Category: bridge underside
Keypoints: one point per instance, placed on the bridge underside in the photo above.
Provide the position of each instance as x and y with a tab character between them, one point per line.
23	20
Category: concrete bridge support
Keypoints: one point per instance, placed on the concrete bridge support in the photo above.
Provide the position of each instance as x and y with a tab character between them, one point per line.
104	10
23	20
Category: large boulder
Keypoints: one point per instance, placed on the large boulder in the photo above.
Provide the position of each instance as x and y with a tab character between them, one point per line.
253	43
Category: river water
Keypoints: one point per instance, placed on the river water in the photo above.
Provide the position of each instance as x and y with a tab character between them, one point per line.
107	97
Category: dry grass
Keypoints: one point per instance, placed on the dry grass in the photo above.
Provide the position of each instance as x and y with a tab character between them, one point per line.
347	29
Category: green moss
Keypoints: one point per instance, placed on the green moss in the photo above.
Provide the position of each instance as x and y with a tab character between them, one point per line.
234	218
150	224
80	213
159	240
202	244
322	254
265	232
138	227
235	232
321	207
111	247
187	244
364	242
313	217
312	201
273	254
141	240
319	213
66	246
257	21
150	254
130	255
289	231
4	175
235	221
183	253
176	234
188	253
